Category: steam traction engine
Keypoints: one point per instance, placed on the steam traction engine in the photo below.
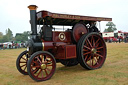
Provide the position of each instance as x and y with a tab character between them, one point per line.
82	44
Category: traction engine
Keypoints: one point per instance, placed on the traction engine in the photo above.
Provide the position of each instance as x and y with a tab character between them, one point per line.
81	44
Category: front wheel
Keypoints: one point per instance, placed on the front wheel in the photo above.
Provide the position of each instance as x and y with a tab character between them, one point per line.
46	64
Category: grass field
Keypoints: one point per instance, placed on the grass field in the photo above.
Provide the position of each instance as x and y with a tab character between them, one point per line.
113	72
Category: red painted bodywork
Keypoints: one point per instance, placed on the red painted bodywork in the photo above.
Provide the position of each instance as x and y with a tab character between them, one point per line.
67	37
61	49
62	45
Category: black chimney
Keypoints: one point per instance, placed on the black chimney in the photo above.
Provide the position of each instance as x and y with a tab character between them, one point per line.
33	19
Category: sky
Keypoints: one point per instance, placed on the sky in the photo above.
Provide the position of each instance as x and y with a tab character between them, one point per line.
15	14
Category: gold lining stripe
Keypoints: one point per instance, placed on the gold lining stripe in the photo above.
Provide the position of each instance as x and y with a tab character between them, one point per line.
43	46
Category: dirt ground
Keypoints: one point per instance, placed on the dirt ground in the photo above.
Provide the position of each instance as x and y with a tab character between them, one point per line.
113	72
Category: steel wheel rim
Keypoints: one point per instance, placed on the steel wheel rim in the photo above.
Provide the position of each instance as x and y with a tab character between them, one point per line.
23	63
45	64
94	51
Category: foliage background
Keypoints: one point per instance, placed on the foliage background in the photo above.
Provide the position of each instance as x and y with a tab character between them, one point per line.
8	37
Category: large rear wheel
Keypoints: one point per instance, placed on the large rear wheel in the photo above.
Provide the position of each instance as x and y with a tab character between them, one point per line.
91	50
46	64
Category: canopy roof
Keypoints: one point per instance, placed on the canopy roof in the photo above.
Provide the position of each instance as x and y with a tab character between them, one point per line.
67	19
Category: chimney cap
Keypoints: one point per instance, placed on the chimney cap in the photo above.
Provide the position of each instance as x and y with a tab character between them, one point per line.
32	7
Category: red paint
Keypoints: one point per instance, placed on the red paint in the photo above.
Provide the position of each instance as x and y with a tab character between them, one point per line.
67	37
43	14
70	51
61	49
79	30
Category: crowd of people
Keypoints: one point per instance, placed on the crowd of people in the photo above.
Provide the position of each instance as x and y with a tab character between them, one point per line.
125	40
10	45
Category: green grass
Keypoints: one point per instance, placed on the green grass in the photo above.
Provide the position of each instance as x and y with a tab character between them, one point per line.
113	72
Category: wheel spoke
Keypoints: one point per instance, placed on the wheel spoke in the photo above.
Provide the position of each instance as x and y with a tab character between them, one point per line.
25	68
46	72
27	56
85	50
22	62
35	62
49	65
86	53
35	66
99	55
39	60
89	43
34	71
85	58
96	61
44	59
23	65
27	59
92	60
39	72
49	61
42	74
98	51
96	57
97	45
41	56
89	58
97	41
99	48
48	69
90	63
87	47
24	59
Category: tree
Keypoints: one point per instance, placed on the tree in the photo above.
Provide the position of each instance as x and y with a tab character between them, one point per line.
19	38
22	36
26	34
1	36
9	35
111	27
5	38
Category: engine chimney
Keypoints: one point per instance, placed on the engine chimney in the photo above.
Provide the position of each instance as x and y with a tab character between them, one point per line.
33	20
